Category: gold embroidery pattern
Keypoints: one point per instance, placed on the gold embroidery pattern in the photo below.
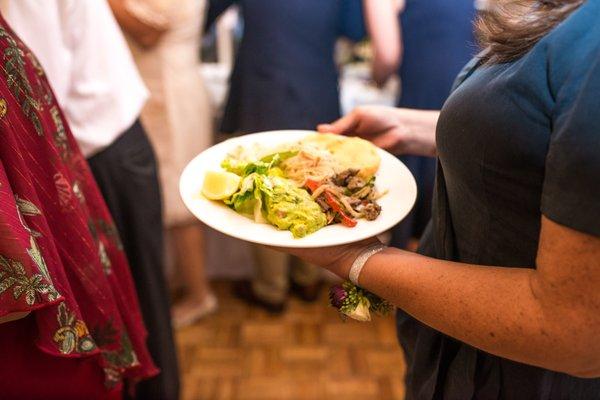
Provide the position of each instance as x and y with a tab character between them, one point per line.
104	259
110	230
27	208
118	360
78	192
73	334
13	275
18	83
3	107
41	88
36	256
64	191
60	135
36	64
12	272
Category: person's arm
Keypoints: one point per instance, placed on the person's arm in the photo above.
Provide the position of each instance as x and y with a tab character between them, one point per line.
384	30
139	22
215	9
548	316
13	317
397	130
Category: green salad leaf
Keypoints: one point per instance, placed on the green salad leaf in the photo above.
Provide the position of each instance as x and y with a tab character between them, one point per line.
248	200
266	196
263	167
277	158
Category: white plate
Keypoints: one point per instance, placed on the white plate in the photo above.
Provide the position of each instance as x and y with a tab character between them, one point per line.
392	176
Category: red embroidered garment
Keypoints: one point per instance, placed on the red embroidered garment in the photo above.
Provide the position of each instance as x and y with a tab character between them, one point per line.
60	254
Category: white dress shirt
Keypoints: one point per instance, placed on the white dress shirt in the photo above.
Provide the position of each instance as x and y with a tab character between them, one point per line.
88	64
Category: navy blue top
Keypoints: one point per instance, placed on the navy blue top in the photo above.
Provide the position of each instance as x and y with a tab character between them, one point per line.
516	141
285	76
438	41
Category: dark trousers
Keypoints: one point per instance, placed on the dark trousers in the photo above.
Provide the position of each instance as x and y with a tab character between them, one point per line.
127	176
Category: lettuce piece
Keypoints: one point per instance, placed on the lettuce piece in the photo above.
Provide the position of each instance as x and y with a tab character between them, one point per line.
262	167
276	171
277	158
243	168
266	196
234	165
243	201
248	200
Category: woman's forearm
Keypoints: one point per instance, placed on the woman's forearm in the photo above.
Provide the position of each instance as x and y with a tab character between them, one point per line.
13	317
419	127
490	308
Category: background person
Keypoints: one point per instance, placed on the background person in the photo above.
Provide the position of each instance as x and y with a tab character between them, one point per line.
504	301
95	80
437	41
165	40
385	37
284	77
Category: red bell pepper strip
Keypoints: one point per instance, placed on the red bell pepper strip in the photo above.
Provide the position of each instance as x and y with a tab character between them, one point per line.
312	185
336	206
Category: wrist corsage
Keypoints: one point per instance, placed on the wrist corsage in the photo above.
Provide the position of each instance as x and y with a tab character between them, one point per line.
357	303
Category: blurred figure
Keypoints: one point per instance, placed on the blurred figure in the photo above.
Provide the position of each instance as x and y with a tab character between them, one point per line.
165	39
70	322
95	79
438	40
381	17
284	77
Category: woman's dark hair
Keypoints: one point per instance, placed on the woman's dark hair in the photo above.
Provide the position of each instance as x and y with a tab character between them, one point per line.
510	28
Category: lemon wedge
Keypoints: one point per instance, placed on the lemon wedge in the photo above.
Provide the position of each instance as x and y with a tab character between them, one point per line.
219	185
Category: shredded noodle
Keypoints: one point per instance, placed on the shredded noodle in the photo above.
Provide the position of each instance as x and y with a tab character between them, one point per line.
310	163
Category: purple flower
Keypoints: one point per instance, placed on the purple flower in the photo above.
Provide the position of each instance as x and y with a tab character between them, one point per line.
337	295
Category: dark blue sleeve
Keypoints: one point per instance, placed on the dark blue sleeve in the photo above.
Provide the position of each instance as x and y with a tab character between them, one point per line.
571	192
352	21
216	8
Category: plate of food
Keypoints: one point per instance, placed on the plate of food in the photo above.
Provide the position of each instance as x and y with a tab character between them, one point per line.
298	189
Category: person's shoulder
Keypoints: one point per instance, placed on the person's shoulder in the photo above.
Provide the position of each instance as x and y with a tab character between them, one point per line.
573	46
580	31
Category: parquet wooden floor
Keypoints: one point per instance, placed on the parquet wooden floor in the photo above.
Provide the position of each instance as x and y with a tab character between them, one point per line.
242	353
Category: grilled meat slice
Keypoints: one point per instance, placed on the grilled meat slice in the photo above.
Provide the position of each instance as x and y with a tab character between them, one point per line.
355	183
371	211
343	178
323	203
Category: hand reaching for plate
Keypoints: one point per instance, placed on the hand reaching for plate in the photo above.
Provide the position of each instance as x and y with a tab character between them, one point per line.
397	130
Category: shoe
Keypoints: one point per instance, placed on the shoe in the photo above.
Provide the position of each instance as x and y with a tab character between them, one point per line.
182	318
243	290
309	293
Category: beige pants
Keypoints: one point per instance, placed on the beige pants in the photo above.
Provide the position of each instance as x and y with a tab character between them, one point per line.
273	270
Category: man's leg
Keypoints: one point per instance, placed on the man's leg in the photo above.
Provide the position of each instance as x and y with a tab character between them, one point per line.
126	174
270	282
306	280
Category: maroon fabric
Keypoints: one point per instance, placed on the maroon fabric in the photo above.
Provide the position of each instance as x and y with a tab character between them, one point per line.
60	254
43	376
